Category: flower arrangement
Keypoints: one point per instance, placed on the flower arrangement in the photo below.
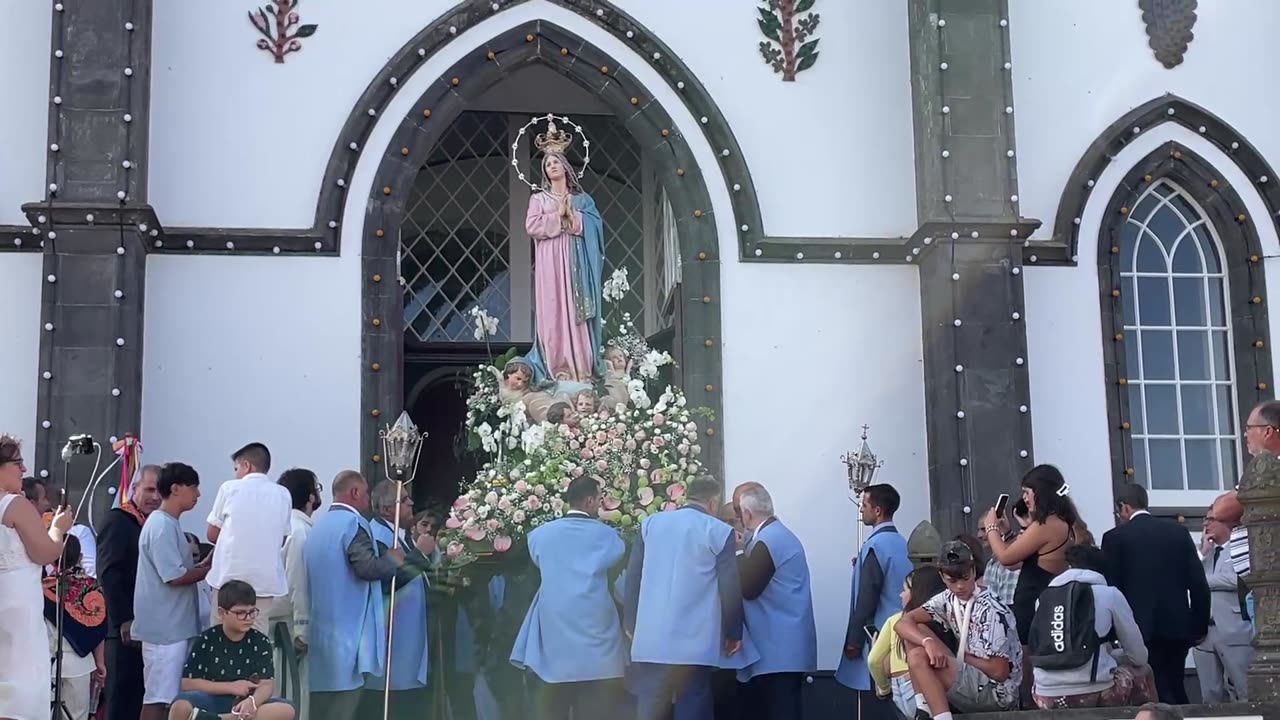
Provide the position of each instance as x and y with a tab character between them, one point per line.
643	453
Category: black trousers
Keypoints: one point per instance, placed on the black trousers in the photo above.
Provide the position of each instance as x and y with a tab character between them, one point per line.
338	705
773	697
124	681
1168	659
589	700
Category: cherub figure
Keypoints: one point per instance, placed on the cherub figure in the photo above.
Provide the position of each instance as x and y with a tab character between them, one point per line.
562	413
616	375
516	379
585	402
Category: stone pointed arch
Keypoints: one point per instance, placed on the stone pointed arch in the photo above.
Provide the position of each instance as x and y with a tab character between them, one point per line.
324	237
1222	208
1166	109
448	95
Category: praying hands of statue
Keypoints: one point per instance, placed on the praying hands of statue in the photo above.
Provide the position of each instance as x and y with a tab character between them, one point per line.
566	212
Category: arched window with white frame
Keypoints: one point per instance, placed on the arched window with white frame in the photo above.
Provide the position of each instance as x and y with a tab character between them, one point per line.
1179	364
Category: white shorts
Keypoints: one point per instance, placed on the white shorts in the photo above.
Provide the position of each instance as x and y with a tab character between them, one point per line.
162	671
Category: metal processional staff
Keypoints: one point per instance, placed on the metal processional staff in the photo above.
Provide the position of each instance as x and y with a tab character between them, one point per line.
862	468
401	445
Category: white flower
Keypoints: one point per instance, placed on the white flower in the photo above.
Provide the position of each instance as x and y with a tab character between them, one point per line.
533	438
486	324
617	286
639	398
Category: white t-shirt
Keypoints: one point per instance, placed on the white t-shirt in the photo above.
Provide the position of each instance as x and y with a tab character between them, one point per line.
253	515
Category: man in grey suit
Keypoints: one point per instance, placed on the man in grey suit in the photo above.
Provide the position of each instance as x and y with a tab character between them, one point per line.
1222	660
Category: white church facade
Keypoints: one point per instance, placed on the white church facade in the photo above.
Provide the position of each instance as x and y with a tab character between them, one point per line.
999	233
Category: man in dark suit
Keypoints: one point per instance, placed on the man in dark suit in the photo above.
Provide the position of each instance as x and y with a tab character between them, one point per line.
1154	563
117	571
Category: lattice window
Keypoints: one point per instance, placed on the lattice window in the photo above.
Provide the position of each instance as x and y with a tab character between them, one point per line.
667	260
464	229
1178	343
454	242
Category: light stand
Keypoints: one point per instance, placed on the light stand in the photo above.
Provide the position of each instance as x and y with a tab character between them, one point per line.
76	445
401	446
60	595
862	468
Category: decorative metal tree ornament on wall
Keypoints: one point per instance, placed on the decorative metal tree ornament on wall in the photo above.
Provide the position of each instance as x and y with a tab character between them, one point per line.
1169	24
278	24
789	49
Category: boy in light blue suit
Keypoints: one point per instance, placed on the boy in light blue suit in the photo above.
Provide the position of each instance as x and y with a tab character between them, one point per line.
879	572
684	607
571	639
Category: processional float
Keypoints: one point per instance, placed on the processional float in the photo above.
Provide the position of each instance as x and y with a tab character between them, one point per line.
861	467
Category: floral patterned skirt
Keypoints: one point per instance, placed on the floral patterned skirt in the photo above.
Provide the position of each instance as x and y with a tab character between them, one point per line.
1132	686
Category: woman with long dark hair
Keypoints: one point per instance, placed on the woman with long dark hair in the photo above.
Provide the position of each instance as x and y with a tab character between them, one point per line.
888	657
1041	549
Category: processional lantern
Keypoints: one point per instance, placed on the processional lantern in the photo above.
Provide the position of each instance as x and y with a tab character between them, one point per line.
862	467
401	445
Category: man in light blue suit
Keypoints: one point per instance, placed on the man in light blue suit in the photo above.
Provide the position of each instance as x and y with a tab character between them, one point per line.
410	641
684	607
571	639
879	573
344	572
779	610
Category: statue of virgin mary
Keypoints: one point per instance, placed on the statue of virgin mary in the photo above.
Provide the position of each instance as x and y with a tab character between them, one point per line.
568	249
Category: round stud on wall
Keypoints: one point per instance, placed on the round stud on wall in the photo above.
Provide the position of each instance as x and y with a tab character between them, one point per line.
377	278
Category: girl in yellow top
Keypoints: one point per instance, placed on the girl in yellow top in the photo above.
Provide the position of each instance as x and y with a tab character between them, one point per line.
888	658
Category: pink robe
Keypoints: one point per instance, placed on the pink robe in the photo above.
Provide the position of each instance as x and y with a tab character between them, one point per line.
565	342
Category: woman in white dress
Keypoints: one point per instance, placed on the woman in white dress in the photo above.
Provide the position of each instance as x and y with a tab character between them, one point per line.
25	546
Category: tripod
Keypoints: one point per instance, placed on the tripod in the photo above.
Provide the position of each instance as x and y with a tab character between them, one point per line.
59	707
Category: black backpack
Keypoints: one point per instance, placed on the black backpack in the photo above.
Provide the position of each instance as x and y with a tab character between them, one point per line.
1063	633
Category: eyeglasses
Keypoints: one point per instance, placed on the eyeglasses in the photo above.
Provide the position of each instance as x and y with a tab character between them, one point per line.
1258	426
245	615
15	461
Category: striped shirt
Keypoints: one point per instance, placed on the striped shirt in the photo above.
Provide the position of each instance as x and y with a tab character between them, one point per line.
1238	550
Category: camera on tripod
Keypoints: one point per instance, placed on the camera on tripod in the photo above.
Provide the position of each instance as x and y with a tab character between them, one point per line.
78	445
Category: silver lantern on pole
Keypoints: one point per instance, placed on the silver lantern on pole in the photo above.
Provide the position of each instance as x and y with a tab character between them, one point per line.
862	467
401	447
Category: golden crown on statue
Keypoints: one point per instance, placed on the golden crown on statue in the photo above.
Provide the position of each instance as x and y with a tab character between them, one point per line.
554	140
557	139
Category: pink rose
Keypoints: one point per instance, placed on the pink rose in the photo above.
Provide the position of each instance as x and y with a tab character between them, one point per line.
617	443
452	523
501	544
493	525
602	465
640	435
462	503
540	491
504	504
574	445
474	533
602	436
522	486
577	472
646	496
620	427
675	491
533	503
658	419
630	445
659	441
587	454
454	549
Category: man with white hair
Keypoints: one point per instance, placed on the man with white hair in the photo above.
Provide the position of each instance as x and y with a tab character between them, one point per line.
779	608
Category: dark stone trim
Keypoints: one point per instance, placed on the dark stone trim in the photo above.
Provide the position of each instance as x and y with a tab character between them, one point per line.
884	251
1246	278
540	42
1062	249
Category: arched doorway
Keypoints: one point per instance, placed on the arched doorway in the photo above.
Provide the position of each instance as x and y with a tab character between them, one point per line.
463	246
442	217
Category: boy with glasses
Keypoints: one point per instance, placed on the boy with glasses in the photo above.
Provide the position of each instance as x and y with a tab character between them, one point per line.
229	671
